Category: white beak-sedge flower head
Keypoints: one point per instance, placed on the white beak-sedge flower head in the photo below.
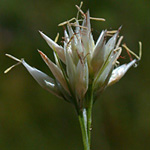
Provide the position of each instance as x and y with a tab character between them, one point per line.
86	62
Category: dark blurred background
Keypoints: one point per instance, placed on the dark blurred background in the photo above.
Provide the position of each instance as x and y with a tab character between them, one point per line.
33	119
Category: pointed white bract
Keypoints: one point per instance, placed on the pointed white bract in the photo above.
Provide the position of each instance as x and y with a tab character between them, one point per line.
86	37
44	80
70	70
98	53
110	45
107	68
119	72
81	65
82	79
54	46
55	70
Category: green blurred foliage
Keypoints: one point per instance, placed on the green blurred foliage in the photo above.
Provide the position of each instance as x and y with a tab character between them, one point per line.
33	119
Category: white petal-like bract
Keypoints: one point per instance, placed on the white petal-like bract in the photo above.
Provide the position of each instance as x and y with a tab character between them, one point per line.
43	79
119	72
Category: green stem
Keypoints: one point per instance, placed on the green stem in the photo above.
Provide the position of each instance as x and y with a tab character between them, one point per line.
89	112
89	121
83	124
85	119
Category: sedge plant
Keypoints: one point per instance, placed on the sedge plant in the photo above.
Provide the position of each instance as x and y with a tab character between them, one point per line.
83	68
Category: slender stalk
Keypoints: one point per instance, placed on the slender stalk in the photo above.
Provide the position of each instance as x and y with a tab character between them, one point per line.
83	124
85	119
89	120
89	112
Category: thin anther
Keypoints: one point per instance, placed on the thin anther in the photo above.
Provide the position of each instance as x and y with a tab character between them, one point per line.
56	38
10	68
140	49
78	10
66	22
119	41
112	32
97	19
117	63
109	34
12	57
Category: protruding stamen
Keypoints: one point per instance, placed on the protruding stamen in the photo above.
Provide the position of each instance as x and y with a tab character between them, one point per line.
78	10
112	32
117	63
140	49
119	41
109	34
12	57
10	68
66	22
56	38
97	19
118	50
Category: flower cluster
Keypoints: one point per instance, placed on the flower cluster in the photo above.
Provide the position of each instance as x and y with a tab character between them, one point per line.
81	64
